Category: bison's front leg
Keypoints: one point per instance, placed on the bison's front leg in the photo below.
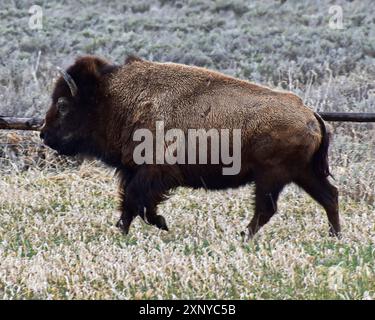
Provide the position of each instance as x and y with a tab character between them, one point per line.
147	188
128	209
155	219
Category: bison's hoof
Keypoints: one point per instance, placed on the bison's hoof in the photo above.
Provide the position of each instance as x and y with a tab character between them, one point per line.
161	223
334	233
122	227
243	236
246	235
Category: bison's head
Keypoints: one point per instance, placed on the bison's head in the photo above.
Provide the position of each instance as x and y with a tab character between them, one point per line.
72	119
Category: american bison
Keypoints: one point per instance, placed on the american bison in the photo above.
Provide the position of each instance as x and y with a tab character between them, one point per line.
97	108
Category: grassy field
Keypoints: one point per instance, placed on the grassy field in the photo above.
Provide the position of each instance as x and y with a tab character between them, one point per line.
58	238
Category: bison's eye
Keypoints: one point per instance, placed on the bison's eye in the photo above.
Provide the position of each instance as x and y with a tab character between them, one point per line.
62	105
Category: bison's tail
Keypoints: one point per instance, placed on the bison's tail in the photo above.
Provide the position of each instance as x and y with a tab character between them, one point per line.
320	158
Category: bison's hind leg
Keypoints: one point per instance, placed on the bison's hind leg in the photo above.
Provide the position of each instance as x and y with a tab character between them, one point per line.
267	193
326	194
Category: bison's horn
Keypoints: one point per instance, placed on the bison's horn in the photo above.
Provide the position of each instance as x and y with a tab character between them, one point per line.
69	80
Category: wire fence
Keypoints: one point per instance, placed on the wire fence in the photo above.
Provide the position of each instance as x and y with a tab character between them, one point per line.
21	147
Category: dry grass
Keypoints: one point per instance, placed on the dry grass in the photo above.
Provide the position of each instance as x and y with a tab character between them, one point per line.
58	239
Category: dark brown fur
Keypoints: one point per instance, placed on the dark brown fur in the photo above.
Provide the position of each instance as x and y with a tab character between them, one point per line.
282	140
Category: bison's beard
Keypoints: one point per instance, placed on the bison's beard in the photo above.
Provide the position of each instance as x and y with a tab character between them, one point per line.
74	147
67	148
